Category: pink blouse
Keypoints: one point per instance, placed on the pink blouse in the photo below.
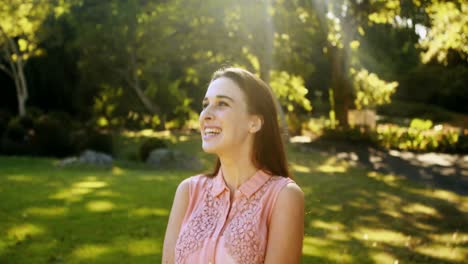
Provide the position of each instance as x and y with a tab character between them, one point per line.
214	231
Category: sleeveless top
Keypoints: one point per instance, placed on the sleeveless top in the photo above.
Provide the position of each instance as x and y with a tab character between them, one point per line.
214	231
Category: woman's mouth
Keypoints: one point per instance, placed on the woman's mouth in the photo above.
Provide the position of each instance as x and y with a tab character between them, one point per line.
211	132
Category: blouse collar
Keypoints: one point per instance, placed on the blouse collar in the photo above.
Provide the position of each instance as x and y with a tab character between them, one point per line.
247	188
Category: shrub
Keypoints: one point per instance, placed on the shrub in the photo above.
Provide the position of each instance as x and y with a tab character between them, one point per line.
462	144
354	134
414	110
17	139
149	145
99	141
52	137
5	117
418	137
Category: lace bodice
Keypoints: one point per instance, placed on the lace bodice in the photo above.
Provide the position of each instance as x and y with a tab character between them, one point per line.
215	230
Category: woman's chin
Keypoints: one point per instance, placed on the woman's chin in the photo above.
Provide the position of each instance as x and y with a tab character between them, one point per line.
208	148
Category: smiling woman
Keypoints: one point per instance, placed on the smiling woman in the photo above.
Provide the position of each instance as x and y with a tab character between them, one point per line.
248	210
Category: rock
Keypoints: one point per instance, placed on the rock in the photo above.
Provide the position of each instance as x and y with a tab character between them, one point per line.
167	158
89	157
95	158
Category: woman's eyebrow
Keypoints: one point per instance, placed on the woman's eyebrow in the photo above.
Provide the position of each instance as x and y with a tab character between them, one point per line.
220	97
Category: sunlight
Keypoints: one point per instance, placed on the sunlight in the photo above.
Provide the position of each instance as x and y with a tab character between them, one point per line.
147	133
90	184
421	209
107	193
383	257
20	232
143	247
91	251
117	170
72	195
79	189
300	168
447	252
389	179
146	211
100	206
327	225
20	178
331	165
381	235
450	238
46	211
183	138
153	178
424	226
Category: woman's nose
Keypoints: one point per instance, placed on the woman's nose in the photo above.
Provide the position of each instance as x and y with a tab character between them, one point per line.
206	114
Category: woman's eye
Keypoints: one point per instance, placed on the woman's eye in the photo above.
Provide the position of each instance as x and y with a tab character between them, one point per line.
221	103
204	106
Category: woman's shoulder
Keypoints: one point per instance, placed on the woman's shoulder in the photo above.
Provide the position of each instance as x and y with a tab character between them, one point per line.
195	181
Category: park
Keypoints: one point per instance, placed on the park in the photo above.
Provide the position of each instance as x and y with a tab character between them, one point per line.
100	107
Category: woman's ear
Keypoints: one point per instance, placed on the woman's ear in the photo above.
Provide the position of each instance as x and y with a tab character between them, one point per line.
256	124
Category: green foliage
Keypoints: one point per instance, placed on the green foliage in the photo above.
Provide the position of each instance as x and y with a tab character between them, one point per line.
52	136
98	141
290	91
149	145
418	110
418	137
351	134
18	137
448	32
370	90
5	117
420	124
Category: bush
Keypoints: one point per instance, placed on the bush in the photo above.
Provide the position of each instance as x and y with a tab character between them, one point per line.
355	135
5	117
462	144
417	110
418	137
17	138
52	137
149	145
99	141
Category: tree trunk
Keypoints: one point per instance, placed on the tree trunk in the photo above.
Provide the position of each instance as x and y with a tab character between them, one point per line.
340	84
267	52
135	84
16	71
22	89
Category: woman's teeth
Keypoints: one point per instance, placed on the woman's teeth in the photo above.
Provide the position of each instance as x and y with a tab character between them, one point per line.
212	131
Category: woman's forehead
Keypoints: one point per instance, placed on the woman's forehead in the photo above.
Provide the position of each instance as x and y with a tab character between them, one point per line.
224	87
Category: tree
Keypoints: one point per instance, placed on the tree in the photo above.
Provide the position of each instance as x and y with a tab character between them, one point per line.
448	31
341	22
19	24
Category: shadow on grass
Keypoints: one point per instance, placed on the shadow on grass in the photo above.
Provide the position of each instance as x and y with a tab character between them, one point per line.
89	215
359	216
82	215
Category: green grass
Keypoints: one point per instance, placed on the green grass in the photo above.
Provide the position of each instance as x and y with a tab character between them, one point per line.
119	215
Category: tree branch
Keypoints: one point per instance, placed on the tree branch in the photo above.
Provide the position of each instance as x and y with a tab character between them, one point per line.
6	70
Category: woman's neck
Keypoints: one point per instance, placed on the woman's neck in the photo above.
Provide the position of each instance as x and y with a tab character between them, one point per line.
236	171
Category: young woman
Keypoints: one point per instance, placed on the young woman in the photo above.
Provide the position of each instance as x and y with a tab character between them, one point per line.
248	210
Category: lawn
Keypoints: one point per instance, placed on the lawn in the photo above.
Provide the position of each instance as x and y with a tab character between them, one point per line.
118	215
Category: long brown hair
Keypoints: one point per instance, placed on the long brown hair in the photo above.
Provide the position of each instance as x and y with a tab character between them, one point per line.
268	148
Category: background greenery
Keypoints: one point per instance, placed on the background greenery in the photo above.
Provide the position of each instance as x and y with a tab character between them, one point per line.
125	77
92	215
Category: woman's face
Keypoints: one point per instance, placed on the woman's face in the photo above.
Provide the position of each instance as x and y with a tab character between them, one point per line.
225	124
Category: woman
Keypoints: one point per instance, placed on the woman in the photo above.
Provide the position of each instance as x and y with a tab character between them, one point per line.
248	210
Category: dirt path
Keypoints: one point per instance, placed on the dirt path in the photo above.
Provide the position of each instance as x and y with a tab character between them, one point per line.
435	170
